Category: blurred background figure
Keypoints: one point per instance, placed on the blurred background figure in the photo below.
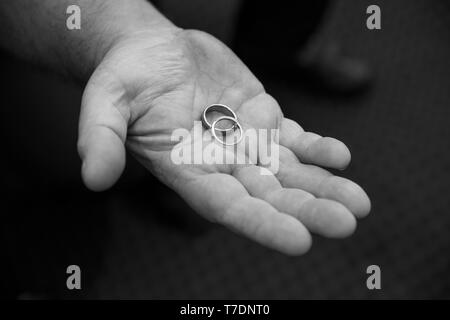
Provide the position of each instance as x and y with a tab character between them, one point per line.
277	39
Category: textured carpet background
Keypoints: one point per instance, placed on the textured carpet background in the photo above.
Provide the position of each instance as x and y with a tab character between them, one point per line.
131	244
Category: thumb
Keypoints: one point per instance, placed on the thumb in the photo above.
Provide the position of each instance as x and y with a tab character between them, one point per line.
101	138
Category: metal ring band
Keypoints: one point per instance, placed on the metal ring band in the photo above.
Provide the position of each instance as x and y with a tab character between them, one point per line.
227	111
236	125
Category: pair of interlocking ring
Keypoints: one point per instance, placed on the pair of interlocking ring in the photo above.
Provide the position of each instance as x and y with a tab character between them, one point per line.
229	115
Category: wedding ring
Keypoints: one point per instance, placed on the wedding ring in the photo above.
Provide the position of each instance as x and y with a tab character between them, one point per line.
227	111
235	125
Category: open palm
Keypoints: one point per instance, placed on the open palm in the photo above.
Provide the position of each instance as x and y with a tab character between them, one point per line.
150	85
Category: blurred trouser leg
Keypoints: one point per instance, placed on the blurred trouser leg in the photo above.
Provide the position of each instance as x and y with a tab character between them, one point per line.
277	28
280	38
217	17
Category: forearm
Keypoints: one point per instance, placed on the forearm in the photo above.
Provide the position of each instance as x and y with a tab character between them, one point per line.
36	30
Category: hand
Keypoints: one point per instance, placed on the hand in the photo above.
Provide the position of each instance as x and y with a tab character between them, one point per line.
150	84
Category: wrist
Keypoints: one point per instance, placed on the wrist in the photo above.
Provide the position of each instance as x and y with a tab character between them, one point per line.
106	27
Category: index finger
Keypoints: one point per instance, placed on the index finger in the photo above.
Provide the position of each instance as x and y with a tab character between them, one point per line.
223	199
